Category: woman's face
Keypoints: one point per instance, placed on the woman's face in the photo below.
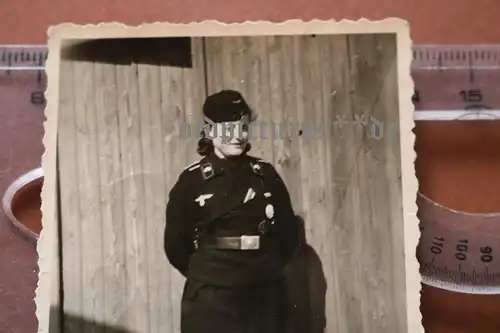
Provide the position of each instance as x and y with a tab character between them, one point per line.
230	138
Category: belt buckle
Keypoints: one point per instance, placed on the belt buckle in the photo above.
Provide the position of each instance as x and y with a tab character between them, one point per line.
250	242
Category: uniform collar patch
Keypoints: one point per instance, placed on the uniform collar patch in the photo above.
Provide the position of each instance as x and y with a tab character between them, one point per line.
207	170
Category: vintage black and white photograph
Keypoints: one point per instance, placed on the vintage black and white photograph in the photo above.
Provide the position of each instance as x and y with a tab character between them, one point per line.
246	178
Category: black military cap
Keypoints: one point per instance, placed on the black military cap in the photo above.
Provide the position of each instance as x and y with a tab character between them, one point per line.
226	106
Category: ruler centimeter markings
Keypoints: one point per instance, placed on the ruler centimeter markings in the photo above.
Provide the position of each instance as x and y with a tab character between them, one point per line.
451	83
456	82
22	75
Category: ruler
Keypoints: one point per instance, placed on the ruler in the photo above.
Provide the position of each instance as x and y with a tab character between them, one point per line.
451	83
456	82
459	251
22	103
22	84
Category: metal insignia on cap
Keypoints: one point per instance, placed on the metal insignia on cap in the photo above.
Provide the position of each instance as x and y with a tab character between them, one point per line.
269	211
237	101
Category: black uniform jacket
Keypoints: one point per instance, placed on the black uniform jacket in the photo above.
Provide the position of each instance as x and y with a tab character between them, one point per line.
229	198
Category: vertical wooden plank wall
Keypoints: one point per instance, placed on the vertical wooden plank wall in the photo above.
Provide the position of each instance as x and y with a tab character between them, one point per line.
373	195
120	122
119	156
346	185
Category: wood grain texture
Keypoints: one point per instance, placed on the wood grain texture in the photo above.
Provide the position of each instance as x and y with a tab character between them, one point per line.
120	123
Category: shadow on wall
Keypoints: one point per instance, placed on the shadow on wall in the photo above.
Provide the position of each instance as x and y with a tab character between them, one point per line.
75	324
306	288
168	51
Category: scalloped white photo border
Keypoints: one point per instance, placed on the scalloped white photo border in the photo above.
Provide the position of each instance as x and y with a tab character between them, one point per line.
47	290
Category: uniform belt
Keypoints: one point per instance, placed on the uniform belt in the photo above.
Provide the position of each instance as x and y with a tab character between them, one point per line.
243	243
